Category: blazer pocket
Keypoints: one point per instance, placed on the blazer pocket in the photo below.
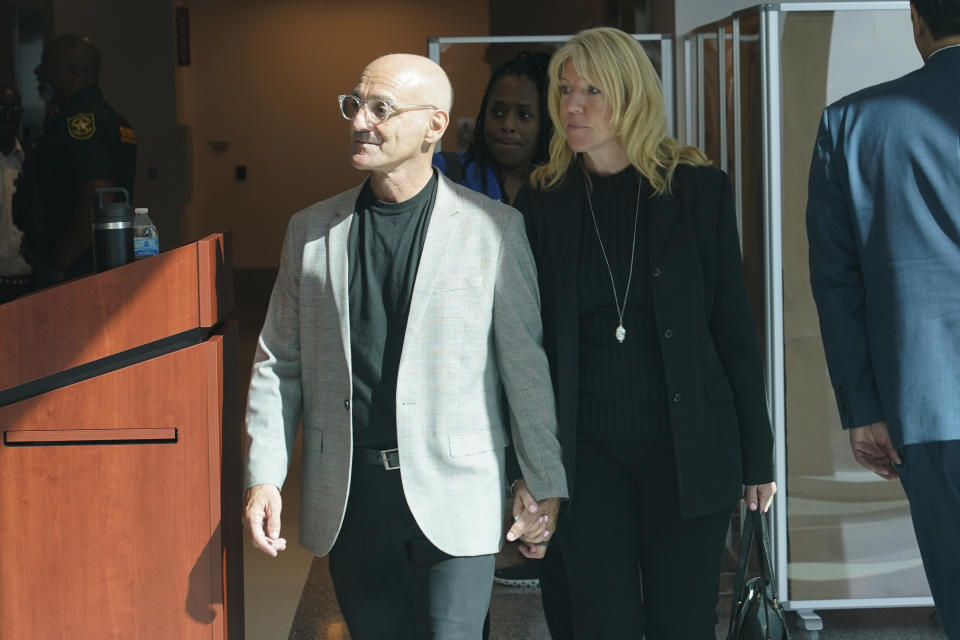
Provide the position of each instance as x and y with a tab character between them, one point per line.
312	438
718	391
469	442
458	284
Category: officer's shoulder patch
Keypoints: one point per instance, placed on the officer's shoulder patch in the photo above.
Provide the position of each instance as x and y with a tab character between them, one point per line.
127	135
81	126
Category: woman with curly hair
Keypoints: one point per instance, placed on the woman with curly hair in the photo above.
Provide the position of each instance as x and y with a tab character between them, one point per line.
511	134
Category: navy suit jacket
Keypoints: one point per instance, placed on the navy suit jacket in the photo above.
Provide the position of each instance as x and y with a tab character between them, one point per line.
883	220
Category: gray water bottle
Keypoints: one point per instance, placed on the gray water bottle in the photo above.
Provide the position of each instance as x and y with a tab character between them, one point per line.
146	240
112	230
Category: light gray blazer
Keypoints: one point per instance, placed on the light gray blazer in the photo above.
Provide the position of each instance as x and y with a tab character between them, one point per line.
473	330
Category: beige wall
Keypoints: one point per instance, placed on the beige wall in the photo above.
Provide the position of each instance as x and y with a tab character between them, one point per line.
264	77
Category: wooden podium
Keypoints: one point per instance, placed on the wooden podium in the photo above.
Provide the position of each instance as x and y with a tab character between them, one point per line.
120	482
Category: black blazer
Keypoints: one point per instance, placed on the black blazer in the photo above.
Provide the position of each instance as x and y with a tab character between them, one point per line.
714	373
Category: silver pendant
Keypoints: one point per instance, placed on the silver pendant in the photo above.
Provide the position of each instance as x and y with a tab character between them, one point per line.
621	333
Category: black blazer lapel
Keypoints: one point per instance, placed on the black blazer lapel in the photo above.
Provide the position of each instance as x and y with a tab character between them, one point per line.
564	238
663	212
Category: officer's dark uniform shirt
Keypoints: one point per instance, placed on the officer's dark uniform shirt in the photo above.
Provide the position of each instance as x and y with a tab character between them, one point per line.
85	141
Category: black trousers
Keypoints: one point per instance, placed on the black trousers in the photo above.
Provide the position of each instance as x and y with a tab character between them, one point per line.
555	592
392	583
634	565
930	474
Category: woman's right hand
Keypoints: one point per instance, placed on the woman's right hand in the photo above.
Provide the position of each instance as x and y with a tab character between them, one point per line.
534	521
759	496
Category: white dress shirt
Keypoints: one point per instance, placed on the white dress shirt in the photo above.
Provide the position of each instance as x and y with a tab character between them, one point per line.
11	262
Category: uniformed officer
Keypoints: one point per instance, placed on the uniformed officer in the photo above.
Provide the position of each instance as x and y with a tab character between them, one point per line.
85	146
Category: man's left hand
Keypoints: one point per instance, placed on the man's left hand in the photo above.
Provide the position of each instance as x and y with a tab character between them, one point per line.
535	521
873	448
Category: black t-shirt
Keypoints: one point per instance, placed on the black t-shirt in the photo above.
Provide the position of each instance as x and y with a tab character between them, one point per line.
622	390
386	240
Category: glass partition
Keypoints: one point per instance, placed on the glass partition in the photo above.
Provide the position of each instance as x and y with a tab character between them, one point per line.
850	533
710	91
843	536
748	160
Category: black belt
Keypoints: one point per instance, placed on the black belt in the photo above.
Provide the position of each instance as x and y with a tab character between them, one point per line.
389	459
15	281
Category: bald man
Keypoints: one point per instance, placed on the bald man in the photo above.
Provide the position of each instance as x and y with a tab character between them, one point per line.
86	145
404	308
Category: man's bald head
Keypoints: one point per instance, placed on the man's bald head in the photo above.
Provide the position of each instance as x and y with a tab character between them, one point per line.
396	145
421	78
70	63
79	52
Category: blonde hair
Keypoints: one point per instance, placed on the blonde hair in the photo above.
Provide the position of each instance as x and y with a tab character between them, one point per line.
615	63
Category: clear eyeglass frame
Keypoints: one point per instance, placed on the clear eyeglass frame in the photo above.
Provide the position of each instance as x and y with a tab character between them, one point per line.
379	110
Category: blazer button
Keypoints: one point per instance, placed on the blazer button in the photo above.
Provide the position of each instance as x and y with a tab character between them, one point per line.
656	272
677	397
346	404
668	334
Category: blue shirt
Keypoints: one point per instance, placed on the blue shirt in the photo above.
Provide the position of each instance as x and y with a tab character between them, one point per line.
473	175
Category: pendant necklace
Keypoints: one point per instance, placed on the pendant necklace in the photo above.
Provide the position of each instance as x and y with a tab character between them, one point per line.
620	333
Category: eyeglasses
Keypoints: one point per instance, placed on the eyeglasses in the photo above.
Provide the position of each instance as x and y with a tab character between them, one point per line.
378	109
10	109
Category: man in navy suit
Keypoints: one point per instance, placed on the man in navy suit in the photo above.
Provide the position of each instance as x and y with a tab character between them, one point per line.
883	219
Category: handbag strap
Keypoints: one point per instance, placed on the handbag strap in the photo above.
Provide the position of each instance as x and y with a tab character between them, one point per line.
754	530
746	543
763	547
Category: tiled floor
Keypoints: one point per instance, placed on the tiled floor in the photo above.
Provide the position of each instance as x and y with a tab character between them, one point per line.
291	596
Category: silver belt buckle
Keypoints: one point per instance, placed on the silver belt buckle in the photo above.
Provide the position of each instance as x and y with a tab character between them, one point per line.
385	459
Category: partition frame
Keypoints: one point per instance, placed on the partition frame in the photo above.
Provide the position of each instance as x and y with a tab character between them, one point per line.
688	76
701	86
773	258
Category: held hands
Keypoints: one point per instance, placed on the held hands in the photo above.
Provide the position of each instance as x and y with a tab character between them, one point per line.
873	449
759	496
534	521
263	503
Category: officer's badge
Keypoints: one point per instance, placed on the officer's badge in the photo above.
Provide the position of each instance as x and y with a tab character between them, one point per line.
81	126
127	135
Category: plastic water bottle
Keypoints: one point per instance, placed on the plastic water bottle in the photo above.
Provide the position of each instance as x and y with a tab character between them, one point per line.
146	240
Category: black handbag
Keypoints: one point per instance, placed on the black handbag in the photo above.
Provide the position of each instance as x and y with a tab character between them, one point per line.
756	613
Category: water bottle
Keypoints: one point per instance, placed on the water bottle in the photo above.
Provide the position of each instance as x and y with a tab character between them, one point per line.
146	240
112	230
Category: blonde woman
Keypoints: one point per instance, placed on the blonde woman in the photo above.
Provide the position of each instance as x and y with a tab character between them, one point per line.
656	364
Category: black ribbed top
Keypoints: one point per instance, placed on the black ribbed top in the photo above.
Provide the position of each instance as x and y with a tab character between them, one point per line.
622	389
